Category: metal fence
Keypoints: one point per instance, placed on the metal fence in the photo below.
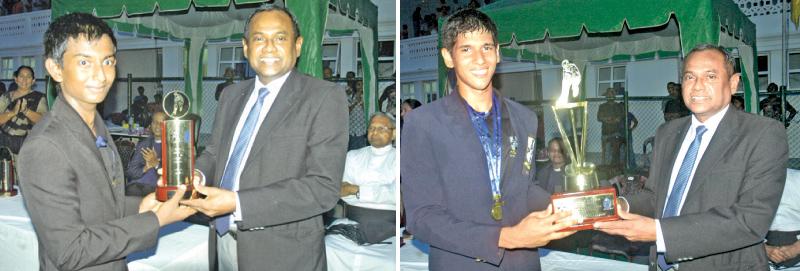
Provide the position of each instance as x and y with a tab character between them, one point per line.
649	112
121	95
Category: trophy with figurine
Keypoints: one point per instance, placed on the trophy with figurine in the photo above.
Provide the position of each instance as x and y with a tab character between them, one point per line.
582	193
177	135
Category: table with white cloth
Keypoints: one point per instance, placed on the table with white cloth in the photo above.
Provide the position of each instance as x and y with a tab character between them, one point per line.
412	258
181	246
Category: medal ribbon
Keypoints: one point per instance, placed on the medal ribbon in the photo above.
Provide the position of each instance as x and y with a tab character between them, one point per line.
492	144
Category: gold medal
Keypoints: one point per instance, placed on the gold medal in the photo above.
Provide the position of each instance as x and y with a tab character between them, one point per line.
497	209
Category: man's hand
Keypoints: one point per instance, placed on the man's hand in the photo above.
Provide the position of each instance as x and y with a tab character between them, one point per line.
150	158
217	201
633	227
167	212
348	189
779	254
536	230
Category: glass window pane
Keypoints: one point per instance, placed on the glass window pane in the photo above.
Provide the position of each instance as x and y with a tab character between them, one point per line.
226	54
794	80
386	48
330	50
601	89
763	82
619	73
605	74
794	61
239	55
407	91
385	68
221	69
620	88
358	49
763	63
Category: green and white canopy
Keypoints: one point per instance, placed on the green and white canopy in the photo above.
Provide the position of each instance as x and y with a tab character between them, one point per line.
594	30
197	21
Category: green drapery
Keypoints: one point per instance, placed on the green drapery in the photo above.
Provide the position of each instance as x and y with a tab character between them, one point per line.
594	30
196	21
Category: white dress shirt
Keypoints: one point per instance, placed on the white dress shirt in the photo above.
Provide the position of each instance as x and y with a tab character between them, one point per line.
711	124
373	171
274	88
788	216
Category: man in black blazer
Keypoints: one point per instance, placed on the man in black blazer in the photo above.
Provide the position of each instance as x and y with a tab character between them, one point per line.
78	208
276	156
475	216
715	181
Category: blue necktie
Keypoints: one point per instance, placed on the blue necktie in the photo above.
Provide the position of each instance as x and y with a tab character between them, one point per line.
678	188
223	223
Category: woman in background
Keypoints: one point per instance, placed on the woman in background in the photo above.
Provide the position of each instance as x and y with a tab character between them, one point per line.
23	107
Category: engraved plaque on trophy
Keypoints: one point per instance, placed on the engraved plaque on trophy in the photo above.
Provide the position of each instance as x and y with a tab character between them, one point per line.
8	174
177	151
582	195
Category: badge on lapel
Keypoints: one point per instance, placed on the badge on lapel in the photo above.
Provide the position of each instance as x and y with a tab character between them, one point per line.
513	143
531	149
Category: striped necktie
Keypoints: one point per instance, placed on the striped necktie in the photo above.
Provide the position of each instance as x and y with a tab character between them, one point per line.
679	187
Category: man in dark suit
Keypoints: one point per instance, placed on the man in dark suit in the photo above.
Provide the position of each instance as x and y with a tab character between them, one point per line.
276	155
467	165
77	206
715	181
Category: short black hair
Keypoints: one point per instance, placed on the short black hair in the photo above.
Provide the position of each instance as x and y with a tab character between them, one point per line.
414	103
772	86
465	21
719	49
73	26
16	73
295	28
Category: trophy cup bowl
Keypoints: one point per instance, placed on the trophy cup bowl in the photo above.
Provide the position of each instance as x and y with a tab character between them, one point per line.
582	194
8	175
177	151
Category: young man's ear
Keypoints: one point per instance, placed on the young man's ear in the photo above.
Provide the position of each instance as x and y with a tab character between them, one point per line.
448	59
54	69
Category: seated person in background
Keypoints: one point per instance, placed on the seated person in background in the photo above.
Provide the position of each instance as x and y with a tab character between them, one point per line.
141	172
368	184
783	246
551	176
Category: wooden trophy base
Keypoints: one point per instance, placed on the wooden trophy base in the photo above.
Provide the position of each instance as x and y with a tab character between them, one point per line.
588	206
164	193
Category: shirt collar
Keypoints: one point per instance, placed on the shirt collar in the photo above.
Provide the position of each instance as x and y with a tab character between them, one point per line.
275	85
711	123
382	150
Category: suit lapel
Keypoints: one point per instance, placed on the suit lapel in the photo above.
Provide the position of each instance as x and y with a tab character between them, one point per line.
512	131
290	91
86	146
720	143
463	134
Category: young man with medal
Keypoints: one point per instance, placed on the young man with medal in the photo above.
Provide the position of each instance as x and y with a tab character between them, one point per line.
467	181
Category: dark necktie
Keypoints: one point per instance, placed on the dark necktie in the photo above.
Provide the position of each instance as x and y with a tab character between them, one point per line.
223	223
679	187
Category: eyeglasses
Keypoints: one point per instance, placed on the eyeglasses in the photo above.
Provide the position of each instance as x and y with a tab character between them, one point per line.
381	129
